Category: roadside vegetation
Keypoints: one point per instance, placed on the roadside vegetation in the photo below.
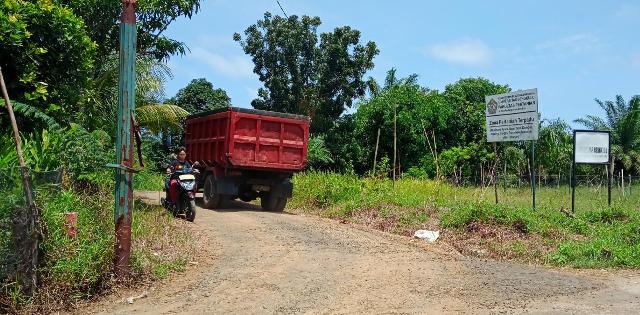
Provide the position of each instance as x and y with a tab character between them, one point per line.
60	61
67	171
60	64
595	237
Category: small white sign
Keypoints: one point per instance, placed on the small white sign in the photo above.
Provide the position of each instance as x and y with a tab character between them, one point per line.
512	116
591	147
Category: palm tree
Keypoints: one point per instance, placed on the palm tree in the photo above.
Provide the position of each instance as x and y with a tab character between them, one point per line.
623	120
157	118
101	102
390	80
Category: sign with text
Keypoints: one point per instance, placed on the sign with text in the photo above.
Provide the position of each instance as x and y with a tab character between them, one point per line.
591	147
512	116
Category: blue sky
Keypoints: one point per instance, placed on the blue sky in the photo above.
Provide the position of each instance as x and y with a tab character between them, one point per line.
572	51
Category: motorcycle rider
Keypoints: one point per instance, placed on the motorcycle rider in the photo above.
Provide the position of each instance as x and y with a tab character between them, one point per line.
180	163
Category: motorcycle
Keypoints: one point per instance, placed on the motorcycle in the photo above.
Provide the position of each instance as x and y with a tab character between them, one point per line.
185	203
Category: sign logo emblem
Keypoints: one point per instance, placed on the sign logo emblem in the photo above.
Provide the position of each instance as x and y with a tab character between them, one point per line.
492	107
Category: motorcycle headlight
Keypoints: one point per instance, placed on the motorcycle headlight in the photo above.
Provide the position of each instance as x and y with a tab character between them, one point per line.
188	185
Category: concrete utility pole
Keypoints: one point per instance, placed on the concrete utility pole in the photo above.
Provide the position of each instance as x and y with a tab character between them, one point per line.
124	138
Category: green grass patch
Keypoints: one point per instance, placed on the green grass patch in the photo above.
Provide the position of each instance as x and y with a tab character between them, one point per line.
149	180
598	236
162	270
80	267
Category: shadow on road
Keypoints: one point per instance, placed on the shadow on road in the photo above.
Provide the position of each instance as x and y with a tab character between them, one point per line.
237	206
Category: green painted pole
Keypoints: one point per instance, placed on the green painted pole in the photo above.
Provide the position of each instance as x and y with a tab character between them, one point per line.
124	139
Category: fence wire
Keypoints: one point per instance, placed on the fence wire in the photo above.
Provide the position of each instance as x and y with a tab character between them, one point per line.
13	214
518	181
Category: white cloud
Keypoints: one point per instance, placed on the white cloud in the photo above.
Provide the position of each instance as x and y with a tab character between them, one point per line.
577	43
472	52
233	66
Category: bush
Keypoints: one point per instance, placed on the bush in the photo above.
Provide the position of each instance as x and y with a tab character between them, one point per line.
320	188
86	152
157	156
319	156
79	263
459	216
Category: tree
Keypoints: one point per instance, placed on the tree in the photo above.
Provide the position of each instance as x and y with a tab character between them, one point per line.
99	104
46	56
157	118
199	96
420	113
153	17
623	120
467	97
304	73
554	147
318	156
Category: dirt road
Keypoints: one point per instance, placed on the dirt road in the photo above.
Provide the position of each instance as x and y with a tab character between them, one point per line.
268	263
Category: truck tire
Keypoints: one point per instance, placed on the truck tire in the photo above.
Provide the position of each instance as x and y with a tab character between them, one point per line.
272	203
210	199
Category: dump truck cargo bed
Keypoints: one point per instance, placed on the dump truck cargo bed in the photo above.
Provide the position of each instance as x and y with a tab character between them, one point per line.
242	138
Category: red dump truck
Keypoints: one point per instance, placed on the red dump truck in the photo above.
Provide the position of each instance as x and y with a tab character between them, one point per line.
247	154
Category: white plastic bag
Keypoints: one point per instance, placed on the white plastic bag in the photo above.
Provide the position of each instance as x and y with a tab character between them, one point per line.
430	236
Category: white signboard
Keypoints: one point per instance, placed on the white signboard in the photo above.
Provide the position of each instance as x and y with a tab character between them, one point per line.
512	116
591	147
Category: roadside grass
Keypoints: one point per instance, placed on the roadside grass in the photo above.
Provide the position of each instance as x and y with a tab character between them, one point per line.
81	267
149	180
597	236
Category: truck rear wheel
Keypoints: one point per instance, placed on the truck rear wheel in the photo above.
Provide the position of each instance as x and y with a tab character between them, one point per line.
272	203
210	198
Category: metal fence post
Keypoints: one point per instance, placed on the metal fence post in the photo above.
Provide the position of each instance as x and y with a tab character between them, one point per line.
124	139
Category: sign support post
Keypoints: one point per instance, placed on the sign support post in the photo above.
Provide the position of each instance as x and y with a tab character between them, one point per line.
514	117
573	182
533	173
610	176
495	172
591	147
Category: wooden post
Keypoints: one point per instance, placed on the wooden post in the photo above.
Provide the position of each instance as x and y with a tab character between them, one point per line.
394	143
375	155
433	149
504	177
31	230
622	180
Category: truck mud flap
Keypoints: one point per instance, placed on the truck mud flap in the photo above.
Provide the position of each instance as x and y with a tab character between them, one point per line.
282	189
226	187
